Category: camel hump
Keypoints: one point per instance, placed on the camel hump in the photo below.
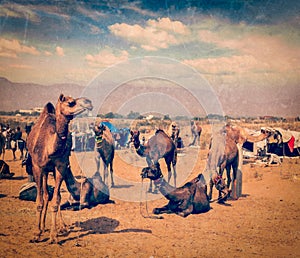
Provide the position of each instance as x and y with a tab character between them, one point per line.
49	109
159	131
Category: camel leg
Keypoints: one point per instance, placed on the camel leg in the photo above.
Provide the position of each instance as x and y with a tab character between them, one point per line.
39	204
55	207
45	202
211	184
105	173
149	163
112	174
194	140
174	174
61	224
97	159
164	209
234	174
228	177
169	171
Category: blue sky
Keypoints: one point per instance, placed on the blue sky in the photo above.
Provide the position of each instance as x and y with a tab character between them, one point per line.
242	47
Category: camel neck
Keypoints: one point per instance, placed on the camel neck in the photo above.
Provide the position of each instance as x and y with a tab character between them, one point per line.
72	184
164	187
62	126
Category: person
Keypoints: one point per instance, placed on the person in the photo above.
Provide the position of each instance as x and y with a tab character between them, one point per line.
19	142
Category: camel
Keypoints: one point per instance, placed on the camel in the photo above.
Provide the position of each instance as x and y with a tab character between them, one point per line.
190	198
196	130
105	148
240	135
227	153
158	146
49	145
223	153
87	193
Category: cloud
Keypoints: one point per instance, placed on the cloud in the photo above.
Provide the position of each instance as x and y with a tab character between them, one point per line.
155	35
106	58
20	66
257	51
59	51
18	11
13	48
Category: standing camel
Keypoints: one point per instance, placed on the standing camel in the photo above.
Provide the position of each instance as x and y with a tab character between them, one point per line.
185	200
196	131
223	153
105	148
158	146
49	146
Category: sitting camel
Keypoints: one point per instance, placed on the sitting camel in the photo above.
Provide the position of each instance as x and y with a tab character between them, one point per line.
196	130
87	193
185	200
105	147
49	145
158	146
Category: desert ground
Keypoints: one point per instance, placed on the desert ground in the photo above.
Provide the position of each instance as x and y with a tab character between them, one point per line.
263	222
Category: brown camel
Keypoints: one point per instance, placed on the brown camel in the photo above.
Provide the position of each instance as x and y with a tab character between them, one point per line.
87	193
240	135
49	145
196	130
223	153
105	148
158	146
185	200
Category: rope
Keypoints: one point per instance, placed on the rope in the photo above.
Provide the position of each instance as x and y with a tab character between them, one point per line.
147	216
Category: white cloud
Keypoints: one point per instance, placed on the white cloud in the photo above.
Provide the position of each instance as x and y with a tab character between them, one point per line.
59	51
265	51
13	48
106	58
156	35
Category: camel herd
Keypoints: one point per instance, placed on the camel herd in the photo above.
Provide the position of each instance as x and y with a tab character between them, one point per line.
49	145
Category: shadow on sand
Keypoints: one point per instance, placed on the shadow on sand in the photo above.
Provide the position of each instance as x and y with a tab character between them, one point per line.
101	225
122	186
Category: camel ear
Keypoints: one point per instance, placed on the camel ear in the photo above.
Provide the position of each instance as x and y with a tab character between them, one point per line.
61	98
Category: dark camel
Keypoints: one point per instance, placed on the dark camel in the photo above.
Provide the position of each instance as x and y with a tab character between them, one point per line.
49	145
158	146
196	130
190	198
105	148
87	193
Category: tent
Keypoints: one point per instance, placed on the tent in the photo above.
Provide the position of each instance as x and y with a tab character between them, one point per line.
284	142
111	127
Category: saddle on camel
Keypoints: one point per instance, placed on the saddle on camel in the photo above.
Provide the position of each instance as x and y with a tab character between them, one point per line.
190	198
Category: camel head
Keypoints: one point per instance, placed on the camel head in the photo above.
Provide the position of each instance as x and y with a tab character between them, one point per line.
135	137
70	107
99	130
153	172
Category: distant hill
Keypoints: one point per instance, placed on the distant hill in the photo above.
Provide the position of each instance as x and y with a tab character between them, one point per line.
15	96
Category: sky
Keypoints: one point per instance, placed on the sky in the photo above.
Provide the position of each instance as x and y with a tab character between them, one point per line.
248	51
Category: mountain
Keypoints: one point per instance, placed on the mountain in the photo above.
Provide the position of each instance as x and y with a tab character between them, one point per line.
15	96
